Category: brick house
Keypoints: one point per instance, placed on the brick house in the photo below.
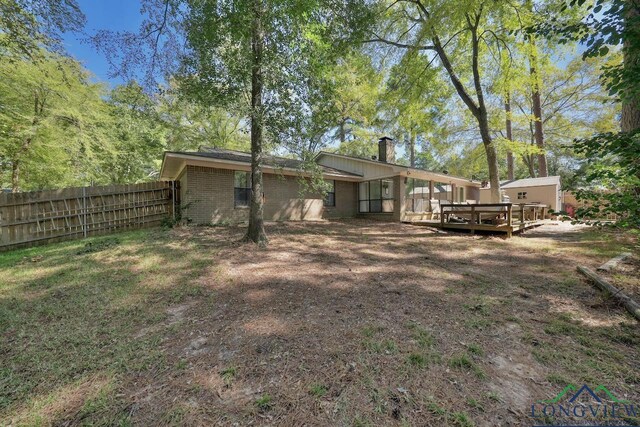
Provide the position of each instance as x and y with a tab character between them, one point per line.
215	187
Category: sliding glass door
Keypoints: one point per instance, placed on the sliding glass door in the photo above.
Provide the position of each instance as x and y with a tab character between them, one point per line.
376	196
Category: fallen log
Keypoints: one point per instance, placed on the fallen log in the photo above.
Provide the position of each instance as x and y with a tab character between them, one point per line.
631	306
613	262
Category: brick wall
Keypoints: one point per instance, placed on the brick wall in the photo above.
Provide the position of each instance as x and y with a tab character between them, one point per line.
209	198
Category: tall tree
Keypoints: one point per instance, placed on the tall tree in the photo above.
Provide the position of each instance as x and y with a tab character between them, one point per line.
630	118
137	135
536	102
253	55
603	27
28	26
509	134
448	30
414	102
356	88
54	121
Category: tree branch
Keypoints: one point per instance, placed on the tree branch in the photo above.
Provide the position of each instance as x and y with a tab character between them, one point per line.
397	44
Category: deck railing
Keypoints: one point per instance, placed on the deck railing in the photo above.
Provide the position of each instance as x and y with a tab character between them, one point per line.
476	211
502	215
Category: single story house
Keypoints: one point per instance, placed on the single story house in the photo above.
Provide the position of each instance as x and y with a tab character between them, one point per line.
215	187
544	190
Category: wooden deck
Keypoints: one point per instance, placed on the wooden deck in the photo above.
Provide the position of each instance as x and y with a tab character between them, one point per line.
506	218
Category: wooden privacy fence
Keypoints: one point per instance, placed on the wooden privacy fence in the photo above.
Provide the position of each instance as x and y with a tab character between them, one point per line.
36	217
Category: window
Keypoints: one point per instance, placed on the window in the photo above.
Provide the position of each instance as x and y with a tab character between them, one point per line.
241	188
417	195
461	198
330	196
375	196
442	192
522	195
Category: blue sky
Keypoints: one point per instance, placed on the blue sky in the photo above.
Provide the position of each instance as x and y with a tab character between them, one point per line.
102	14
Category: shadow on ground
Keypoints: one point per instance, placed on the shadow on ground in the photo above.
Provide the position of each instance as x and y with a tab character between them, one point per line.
340	323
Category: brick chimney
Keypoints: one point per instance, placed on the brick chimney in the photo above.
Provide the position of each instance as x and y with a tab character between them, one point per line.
386	150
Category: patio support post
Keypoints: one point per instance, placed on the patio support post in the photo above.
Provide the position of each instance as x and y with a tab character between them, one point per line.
431	195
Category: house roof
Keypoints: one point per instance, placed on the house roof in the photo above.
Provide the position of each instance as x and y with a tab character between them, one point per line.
275	162
531	182
396	165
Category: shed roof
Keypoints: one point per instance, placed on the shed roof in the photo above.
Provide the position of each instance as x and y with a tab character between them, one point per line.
531	182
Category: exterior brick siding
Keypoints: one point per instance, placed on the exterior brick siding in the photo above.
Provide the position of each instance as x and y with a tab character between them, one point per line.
208	198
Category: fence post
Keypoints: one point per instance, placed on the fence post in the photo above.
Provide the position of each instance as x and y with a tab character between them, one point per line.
84	212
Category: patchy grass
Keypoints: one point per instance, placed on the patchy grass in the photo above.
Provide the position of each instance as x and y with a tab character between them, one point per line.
74	312
340	323
228	374
264	402
318	390
418	360
463	362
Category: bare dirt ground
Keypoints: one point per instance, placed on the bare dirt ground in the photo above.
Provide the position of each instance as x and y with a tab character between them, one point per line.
368	323
348	323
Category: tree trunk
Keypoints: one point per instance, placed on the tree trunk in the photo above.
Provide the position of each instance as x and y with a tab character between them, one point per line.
630	119
478	110
507	110
528	161
38	108
537	107
492	158
412	149
255	231
15	176
342	132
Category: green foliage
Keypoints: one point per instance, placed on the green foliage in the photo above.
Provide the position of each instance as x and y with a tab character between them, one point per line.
29	25
137	137
613	173
54	124
59	129
601	26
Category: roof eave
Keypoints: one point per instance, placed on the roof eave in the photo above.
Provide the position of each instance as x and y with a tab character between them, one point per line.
399	168
267	168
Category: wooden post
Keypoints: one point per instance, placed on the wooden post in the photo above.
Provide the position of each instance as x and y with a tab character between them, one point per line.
631	306
521	213
431	196
84	212
441	216
173	199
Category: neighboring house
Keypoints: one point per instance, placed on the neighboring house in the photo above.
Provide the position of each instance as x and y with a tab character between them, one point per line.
544	190
215	187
